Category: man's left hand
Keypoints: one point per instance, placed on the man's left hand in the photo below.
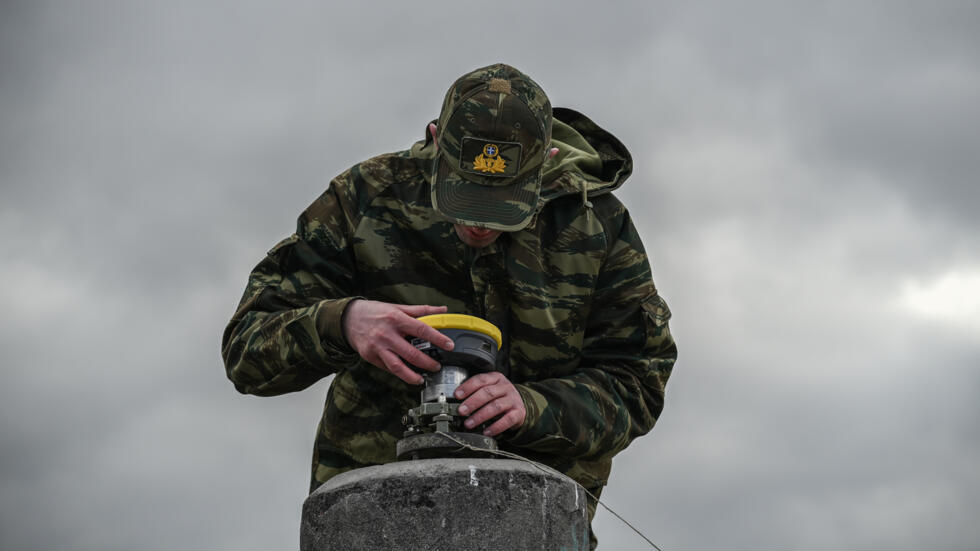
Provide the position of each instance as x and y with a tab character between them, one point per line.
490	395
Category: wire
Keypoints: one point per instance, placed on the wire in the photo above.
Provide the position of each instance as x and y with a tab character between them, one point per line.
548	470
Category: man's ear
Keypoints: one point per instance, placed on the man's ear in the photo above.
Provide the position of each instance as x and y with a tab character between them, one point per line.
551	152
435	139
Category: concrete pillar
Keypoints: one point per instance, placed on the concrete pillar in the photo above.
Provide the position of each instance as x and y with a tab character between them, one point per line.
451	504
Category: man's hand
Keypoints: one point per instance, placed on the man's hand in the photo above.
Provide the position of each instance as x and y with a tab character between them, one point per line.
377	331
490	395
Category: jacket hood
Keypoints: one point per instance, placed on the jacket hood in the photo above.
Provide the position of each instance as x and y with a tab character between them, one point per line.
590	160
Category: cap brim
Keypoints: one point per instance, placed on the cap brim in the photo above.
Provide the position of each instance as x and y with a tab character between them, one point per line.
497	207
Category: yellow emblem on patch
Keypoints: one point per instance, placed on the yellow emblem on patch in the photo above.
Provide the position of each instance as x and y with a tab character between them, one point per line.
490	160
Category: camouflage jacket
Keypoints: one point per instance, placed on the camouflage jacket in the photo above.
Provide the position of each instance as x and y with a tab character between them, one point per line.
586	336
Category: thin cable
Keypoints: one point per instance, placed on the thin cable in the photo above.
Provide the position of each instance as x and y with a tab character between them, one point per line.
548	470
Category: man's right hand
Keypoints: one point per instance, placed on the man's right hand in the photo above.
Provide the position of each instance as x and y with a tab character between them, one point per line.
377	331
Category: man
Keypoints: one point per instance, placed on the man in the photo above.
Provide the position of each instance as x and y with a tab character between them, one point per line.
503	212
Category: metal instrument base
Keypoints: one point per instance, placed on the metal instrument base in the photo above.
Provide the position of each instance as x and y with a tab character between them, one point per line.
430	445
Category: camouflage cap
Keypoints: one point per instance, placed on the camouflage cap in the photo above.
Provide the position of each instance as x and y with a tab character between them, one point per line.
494	131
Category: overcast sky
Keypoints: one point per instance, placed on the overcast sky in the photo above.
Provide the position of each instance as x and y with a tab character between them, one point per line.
805	184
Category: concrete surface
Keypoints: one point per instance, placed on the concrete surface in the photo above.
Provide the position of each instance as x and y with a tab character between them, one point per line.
451	504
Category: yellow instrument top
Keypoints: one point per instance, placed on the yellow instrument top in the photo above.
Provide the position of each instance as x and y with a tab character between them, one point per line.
463	321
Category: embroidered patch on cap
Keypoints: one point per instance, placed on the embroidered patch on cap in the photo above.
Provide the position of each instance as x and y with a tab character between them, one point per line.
490	158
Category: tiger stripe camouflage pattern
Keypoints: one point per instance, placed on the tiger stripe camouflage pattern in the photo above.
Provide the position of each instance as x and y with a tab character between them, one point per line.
586	337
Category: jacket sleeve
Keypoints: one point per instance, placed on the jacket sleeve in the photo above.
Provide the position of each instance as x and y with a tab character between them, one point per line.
286	333
617	392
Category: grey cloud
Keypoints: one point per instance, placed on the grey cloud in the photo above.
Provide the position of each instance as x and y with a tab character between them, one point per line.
794	164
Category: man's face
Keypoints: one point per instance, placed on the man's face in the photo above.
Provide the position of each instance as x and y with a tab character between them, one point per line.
476	237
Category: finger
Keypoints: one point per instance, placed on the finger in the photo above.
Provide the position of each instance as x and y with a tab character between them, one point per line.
481	397
418	310
510	420
412	355
395	366
490	410
475	383
422	330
